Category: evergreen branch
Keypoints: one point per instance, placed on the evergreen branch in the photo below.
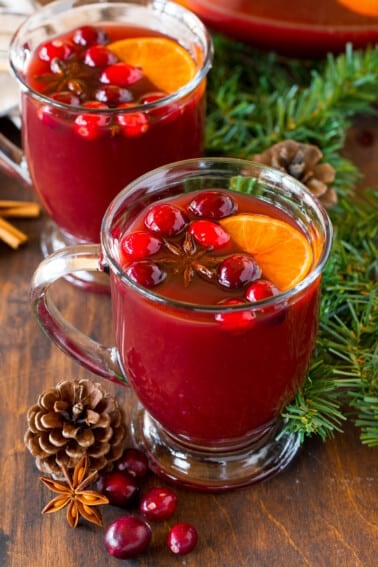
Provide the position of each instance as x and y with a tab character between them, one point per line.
254	102
256	99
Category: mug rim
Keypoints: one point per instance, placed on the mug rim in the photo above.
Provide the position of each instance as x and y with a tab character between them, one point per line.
178	10
205	163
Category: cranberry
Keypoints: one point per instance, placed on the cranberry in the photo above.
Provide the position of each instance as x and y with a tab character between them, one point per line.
182	538
213	205
237	271
113	95
260	289
91	126
234	320
121	74
209	234
49	114
138	245
66	97
146	273
88	35
55	49
158	504
119	487
132	123
166	219
162	112
127	537
99	56
134	462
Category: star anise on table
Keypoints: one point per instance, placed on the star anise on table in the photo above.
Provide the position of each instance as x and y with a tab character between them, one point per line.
74	495
188	259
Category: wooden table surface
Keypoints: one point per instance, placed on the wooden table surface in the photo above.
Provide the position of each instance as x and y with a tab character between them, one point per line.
320	512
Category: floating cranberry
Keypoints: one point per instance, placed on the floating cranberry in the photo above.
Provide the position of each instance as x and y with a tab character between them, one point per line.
209	234
119	487
163	112
261	289
88	35
237	271
66	97
113	95
91	126
55	49
99	56
138	245
158	504
182	538
134	462
146	273
166	219
213	205
121	74
132	123
127	537
234	320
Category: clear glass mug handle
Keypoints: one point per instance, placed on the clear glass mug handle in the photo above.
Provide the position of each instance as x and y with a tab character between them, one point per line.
13	162
91	354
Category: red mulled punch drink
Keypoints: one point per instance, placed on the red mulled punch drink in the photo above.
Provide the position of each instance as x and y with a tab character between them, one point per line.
215	268
109	91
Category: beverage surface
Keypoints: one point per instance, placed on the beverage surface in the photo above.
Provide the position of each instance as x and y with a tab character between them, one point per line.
215	247
82	152
109	66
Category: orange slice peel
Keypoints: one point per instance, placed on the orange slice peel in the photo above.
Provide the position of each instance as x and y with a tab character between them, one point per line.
163	61
282	251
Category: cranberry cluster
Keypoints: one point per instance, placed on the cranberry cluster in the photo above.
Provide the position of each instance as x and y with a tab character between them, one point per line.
82	71
130	535
190	242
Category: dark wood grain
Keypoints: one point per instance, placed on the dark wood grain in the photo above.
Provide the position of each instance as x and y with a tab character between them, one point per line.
321	512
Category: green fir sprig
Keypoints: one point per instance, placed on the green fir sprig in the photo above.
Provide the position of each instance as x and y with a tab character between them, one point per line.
256	99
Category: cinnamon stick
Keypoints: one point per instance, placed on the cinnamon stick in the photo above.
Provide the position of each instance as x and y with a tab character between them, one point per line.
21	210
11	235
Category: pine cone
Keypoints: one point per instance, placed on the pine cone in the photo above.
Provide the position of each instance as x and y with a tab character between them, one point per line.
73	419
301	161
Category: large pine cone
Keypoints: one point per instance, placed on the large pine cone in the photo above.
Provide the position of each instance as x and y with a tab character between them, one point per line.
302	162
73	419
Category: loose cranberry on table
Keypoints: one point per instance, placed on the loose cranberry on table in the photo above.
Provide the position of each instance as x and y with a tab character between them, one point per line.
134	462
182	538
119	487
158	504
127	536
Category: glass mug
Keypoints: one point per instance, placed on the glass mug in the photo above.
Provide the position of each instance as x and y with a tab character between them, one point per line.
209	396
76	175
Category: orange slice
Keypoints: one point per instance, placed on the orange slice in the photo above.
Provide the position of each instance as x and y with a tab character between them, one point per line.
282	251
365	7
164	62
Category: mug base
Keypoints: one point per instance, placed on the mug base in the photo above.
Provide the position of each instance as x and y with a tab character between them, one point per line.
54	239
214	470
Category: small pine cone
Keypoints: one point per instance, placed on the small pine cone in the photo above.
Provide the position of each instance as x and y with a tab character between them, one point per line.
73	419
301	161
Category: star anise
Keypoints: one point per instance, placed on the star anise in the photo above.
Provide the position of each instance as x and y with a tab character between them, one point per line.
70	75
188	260
74	495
